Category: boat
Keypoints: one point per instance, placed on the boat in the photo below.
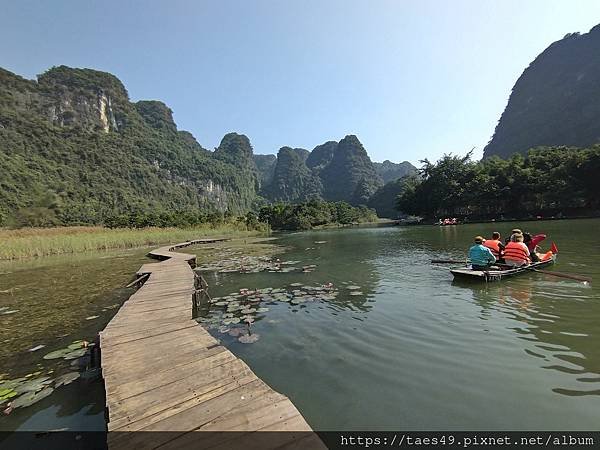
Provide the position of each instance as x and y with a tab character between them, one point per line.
497	273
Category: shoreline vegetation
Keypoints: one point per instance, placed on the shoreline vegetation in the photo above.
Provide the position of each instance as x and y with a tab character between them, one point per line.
36	242
138	230
546	182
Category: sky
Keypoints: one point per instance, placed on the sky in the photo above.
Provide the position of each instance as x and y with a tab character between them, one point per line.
412	79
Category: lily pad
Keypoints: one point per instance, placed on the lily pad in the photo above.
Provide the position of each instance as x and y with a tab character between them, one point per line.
33	385
11	384
353	287
5	394
236	332
30	398
65	379
249	338
57	353
262	310
356	293
76	353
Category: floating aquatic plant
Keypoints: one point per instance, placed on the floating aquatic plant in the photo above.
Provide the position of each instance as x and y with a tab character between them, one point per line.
65	379
249	338
31	397
74	350
236	332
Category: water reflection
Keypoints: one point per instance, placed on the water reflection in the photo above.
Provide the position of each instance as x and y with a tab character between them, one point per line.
547	324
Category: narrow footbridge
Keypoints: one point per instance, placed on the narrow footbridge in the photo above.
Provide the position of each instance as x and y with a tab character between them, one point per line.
165	373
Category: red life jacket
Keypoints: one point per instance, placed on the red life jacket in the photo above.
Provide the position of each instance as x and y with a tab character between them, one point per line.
493	246
516	251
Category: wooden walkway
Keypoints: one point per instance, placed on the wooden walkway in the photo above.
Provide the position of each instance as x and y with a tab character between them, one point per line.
164	372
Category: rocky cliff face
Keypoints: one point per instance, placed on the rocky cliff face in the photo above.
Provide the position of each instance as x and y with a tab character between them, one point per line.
555	101
265	165
75	134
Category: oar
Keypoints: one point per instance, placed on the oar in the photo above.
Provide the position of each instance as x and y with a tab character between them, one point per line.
563	275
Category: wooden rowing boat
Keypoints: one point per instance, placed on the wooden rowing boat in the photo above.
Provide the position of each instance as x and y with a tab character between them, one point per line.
496	273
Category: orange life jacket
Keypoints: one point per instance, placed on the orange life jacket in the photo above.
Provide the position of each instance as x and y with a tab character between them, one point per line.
516	251
493	246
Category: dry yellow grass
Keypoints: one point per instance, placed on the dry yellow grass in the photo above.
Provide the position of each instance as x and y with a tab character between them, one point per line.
31	242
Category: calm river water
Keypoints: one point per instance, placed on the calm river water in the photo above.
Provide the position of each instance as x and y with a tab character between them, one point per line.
414	351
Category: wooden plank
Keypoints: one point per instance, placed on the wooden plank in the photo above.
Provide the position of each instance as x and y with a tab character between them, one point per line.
170	395
150	381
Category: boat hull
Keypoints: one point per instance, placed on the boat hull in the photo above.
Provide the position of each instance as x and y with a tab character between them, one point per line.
466	273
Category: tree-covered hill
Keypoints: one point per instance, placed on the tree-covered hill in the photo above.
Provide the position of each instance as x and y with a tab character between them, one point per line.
334	171
292	181
75	149
555	101
389	171
383	201
350	176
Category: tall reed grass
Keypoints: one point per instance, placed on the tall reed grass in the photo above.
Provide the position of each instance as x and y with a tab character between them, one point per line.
32	242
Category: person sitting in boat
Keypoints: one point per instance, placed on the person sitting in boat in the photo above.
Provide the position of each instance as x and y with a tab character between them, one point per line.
516	253
532	244
481	257
512	233
495	245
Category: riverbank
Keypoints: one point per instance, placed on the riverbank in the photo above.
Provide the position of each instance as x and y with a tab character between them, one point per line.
34	242
431	221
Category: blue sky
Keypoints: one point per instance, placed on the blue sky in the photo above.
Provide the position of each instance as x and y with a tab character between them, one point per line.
412	79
